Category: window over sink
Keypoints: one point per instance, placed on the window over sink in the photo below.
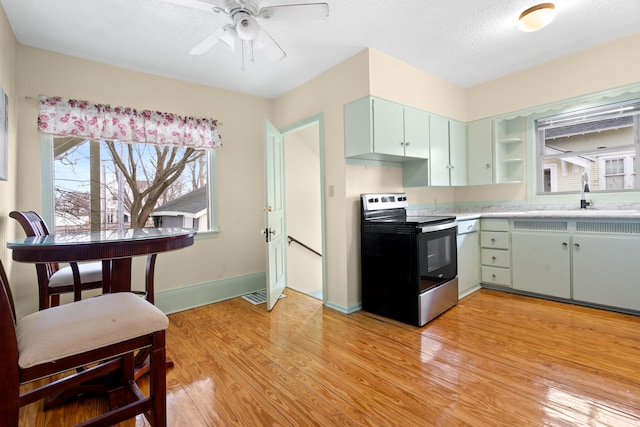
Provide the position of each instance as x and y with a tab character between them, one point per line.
602	142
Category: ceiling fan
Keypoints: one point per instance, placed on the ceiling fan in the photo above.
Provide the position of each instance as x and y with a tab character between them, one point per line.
244	29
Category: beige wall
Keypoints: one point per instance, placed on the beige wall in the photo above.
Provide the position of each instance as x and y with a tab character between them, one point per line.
603	67
608	66
304	209
327	94
400	82
8	77
238	250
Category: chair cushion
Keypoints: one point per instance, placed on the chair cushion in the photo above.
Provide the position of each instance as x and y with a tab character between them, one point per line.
74	328
89	272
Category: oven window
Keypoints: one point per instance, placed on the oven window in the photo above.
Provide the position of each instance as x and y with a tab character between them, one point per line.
438	253
437	257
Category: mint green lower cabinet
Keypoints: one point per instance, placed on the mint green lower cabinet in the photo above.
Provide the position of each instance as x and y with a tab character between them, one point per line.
468	242
541	263
606	270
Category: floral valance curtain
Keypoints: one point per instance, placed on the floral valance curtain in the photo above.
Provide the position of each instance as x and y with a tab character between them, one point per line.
71	117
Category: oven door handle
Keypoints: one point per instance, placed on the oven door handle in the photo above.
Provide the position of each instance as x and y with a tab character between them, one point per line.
438	227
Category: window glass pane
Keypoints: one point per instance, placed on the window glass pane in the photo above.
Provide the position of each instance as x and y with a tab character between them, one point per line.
109	185
600	143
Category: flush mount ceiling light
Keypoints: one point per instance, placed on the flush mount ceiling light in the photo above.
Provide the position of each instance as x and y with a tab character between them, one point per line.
537	17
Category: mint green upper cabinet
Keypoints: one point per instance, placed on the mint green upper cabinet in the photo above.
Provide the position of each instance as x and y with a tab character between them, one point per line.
388	128
480	143
439	157
416	133
377	129
448	157
458	153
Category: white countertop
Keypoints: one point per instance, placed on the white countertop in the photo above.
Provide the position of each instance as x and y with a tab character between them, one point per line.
568	213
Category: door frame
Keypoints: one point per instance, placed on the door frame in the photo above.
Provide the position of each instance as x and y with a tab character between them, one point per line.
301	124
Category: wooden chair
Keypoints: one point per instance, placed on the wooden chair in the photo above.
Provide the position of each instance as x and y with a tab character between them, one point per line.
53	280
106	329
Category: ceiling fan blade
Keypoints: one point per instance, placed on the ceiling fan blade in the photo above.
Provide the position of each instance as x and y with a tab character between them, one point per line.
265	43
205	45
306	11
195	4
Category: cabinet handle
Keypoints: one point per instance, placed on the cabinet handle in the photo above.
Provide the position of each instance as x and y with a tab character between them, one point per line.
401	142
493	276
488	165
469	227
565	244
407	142
493	258
493	240
577	245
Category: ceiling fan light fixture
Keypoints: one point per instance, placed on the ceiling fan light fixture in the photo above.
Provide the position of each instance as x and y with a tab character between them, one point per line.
247	27
537	17
228	38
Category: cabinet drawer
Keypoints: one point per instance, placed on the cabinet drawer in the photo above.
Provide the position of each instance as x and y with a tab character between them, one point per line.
496	275
468	226
494	224
496	257
494	239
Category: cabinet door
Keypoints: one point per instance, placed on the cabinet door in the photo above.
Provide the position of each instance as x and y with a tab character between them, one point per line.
439	150
416	133
479	144
541	263
606	270
468	262
388	128
458	152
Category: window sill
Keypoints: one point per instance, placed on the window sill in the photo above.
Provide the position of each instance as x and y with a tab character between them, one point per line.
209	234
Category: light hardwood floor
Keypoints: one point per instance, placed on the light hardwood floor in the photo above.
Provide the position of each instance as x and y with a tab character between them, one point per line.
496	359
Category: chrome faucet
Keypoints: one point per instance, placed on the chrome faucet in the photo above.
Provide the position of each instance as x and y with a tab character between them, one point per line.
584	188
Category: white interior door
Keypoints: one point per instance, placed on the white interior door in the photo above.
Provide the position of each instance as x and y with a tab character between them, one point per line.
274	214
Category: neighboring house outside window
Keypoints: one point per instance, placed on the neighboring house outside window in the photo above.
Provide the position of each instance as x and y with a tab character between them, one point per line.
601	142
188	211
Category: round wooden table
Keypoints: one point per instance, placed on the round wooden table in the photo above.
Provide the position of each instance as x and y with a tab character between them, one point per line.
115	249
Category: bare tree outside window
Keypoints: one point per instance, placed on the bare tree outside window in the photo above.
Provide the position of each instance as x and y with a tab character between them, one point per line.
117	185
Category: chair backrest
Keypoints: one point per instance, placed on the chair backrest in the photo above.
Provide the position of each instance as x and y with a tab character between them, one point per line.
31	222
34	225
9	370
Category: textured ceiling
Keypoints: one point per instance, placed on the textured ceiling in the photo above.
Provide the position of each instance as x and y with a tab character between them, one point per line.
466	42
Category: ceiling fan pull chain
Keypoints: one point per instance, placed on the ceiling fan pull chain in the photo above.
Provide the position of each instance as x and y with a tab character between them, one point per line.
242	49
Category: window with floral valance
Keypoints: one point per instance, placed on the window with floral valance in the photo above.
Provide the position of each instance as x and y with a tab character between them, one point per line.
71	117
118	167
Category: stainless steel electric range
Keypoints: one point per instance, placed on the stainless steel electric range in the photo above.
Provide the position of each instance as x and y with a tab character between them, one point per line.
409	263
